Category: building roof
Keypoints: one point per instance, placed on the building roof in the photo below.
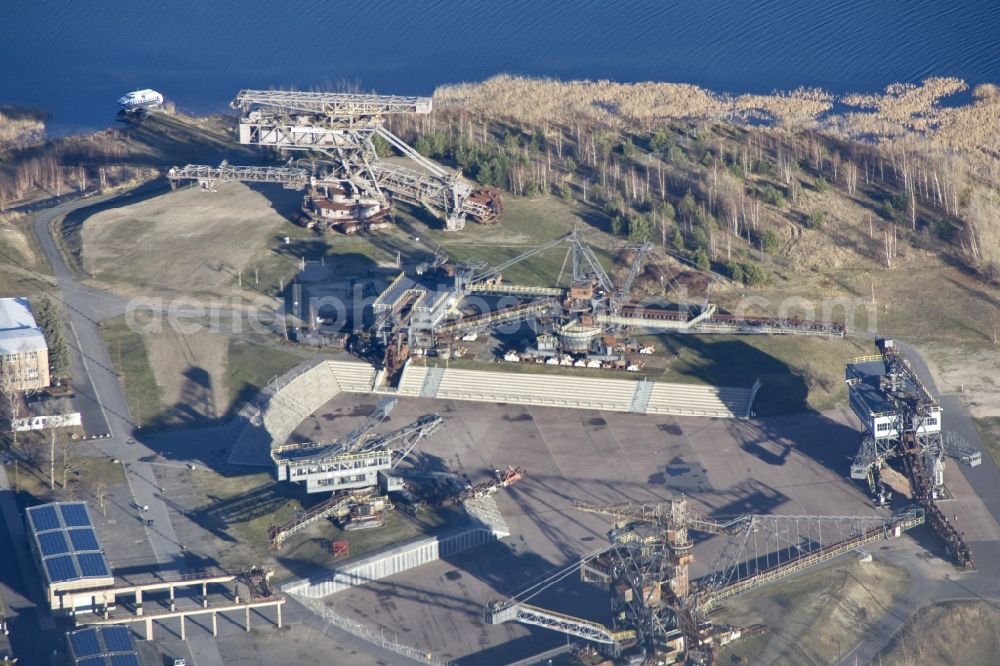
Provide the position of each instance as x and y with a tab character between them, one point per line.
103	646
65	538
868	389
18	330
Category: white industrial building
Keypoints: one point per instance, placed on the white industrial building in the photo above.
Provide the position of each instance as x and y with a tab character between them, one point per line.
24	356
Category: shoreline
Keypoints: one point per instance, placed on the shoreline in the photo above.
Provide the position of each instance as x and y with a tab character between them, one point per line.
960	99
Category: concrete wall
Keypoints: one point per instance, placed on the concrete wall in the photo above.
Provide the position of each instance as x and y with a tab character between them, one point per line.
390	562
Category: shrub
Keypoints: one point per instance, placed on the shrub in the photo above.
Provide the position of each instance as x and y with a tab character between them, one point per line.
640	228
616	225
770	241
677	240
772	196
748	273
659	142
814	220
754	274
735	270
700	259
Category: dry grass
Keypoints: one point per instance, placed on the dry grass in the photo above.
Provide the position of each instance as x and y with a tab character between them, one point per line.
541	101
815	617
13	238
20	130
966	633
902	111
190	371
89	473
214	233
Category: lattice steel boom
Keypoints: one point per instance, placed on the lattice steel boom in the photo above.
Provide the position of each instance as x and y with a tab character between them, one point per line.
346	105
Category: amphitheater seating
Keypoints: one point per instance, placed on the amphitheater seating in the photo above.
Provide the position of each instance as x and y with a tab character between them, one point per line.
411	382
531	389
275	415
577	392
352	376
697	400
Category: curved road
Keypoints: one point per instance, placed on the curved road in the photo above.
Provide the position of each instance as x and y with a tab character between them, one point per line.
105	410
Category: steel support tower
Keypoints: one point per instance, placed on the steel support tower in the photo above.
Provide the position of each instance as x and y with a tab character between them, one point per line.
657	610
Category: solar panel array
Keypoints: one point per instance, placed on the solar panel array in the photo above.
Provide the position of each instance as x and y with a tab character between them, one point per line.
67	542
103	646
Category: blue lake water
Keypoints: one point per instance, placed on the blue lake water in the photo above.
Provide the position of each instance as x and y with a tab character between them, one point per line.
76	58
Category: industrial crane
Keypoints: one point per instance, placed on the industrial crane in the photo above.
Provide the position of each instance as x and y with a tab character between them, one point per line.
901	419
361	440
353	463
657	610
351	184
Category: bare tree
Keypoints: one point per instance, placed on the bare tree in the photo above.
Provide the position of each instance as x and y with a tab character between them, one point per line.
70	463
52	459
101	492
13	404
890	246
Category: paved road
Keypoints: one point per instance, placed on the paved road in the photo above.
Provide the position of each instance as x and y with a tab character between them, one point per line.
104	408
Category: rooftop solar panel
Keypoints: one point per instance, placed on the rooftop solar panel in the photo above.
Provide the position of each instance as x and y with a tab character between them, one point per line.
75	515
118	639
125	660
84	643
44	518
83	538
92	661
60	568
92	564
52	543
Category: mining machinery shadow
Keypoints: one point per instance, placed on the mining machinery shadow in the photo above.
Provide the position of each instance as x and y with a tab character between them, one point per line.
508	572
773	440
220	513
727	362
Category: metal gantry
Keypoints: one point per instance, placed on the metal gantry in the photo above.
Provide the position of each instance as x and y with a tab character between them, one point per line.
902	419
342	105
340	129
354	461
293	178
657	610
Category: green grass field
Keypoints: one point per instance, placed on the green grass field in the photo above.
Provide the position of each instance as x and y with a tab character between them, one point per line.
251	366
131	363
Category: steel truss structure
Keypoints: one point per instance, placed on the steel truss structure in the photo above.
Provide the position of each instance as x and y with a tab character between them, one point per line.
293	178
656	609
901	419
909	418
341	129
354	461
